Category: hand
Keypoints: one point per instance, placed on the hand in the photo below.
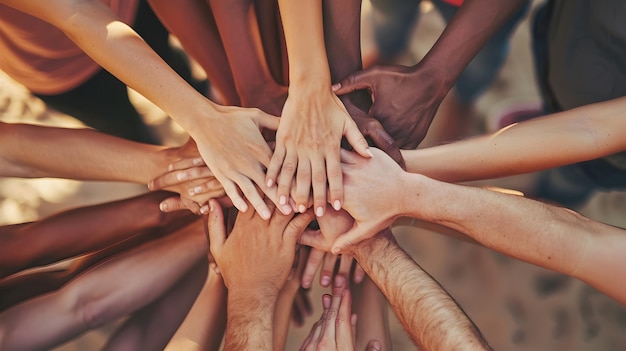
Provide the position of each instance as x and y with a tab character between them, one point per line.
372	129
370	198
193	181
271	99
328	262
336	328
235	151
405	99
258	254
307	147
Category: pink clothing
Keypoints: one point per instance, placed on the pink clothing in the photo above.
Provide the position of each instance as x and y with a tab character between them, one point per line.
43	58
454	2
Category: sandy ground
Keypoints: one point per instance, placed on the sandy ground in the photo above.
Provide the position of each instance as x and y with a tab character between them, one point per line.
517	306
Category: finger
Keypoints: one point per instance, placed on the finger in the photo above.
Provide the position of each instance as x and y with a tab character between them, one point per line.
274	167
335	181
296	226
330	324
356	81
385	142
233	193
356	139
328	267
345	264
175	203
318	169
374	345
174	178
353	321
285	178
350	238
348	157
303	184
211	188
251	193
185	163
343	323
359	273
215	225
267	121
313	263
310	343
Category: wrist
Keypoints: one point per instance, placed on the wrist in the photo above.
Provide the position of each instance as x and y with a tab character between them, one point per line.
434	73
366	249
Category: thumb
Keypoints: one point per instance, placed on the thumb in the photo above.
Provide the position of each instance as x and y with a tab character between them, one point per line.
348	239
264	120
215	225
297	225
357	140
355	81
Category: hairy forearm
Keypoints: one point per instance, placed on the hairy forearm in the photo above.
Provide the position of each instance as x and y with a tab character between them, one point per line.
80	231
551	237
431	317
568	137
249	320
30	151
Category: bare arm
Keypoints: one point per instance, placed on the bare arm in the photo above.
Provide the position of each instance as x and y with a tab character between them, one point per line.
563	138
432	318
80	231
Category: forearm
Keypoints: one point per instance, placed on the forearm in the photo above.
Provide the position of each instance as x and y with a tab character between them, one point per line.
239	32
463	37
120	50
551	237
33	151
82	230
249	328
304	36
568	137
193	23
431	317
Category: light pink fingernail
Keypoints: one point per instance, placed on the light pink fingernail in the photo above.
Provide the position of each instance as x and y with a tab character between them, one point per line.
301	208
337	205
269	183
181	176
325	281
163	207
282	200
319	211
197	161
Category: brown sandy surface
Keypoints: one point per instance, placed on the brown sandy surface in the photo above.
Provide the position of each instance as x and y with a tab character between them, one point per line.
516	305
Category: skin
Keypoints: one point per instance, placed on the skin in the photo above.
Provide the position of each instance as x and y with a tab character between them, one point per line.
407	98
116	288
117	48
557	238
313	120
249	283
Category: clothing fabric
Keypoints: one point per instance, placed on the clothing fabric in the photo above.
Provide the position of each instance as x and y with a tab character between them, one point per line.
42	57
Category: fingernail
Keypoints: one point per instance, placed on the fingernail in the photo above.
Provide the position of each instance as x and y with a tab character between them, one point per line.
325	281
270	182
204	209
337	205
191	192
319	212
301	208
181	176
211	206
197	189
170	167
197	161
286	209
150	186
336	86
336	251
265	214
326	301
306	284
376	346
282	200
242	206
369	152
358	279
163	207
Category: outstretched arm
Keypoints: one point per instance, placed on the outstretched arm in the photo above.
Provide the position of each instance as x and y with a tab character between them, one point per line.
313	119
407	98
576	135
432	318
81	231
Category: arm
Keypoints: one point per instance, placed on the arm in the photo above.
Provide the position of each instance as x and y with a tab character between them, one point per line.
80	231
117	48
576	135
406	98
313	118
432	318
193	23
237	21
249	283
